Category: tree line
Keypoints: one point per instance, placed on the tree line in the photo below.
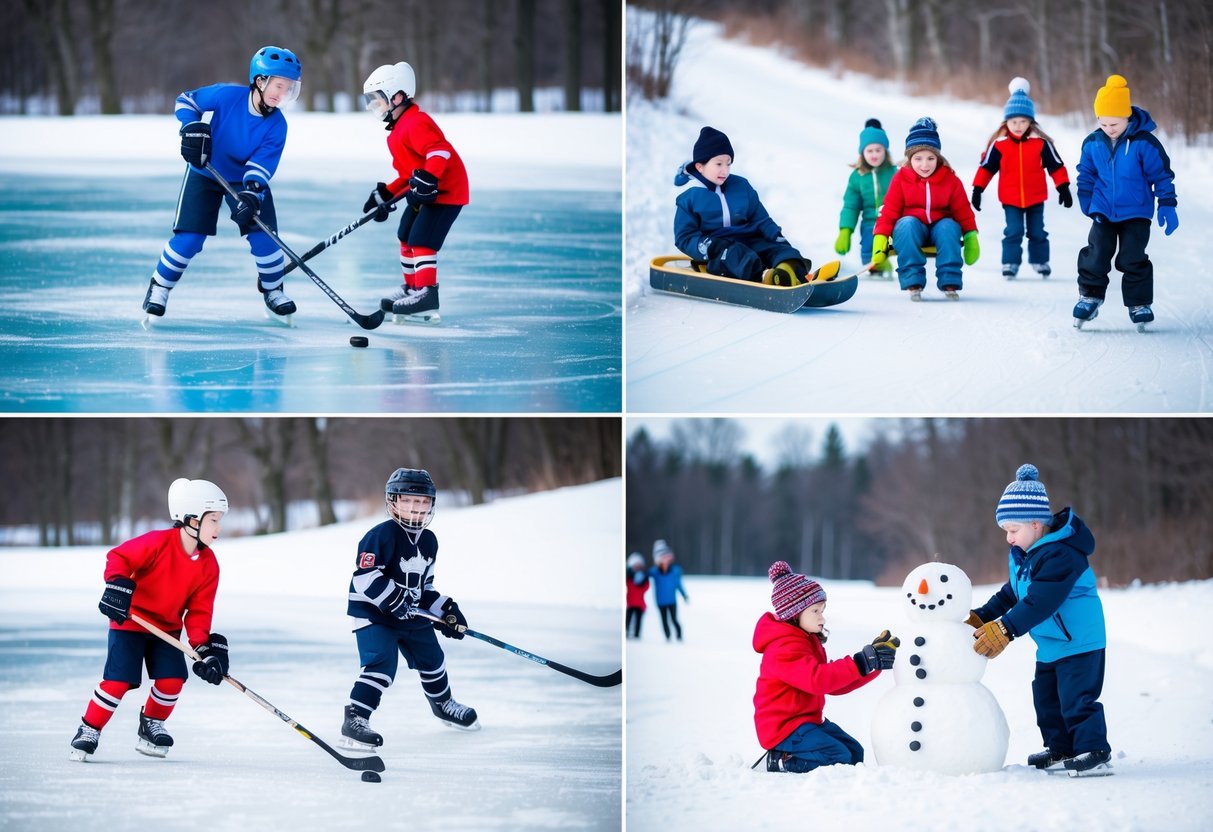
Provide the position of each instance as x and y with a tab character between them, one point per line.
921	489
135	56
67	475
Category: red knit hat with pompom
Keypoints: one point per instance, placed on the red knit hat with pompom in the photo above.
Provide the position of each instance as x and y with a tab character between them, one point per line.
792	594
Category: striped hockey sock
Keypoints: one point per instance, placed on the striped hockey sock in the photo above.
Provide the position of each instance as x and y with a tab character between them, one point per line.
106	698
162	698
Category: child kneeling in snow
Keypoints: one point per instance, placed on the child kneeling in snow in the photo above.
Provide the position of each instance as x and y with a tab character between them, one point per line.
795	677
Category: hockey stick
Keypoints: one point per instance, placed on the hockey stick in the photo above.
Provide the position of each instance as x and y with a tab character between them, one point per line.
333	238
364	321
370	763
608	681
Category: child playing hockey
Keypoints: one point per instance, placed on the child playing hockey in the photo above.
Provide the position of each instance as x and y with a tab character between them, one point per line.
866	187
1020	153
1052	596
926	205
166	577
795	677
637	580
719	220
1122	171
667	585
393	578
243	142
434	182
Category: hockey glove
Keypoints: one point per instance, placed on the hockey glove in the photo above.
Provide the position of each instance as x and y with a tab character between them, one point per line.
423	188
116	600
453	618
886	648
880	249
399	604
972	249
843	244
1064	197
212	664
991	639
867	660
196	143
248	203
973	620
378	202
976	200
1167	218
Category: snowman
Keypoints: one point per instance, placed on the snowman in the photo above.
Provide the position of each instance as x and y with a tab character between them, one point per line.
938	716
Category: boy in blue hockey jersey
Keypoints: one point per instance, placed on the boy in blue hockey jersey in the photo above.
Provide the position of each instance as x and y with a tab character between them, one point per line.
244	142
393	579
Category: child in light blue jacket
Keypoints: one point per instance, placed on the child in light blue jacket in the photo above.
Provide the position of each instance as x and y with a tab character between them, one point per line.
667	585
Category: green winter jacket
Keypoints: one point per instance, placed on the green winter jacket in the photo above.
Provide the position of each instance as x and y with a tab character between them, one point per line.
864	196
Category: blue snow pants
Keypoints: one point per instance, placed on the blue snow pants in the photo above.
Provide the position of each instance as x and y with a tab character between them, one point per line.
812	745
1032	219
910	234
1066	696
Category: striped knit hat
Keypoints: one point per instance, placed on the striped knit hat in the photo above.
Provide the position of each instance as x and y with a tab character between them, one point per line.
792	594
1025	499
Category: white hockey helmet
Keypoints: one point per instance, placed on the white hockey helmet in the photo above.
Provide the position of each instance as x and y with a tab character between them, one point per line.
194	498
382	85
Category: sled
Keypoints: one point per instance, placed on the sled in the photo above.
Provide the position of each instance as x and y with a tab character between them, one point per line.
680	275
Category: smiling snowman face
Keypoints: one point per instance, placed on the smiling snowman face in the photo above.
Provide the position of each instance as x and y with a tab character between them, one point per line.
937	592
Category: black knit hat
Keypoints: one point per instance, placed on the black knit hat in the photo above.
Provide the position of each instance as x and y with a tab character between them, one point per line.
711	143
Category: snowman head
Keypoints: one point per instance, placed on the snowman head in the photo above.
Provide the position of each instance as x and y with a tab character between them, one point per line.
937	592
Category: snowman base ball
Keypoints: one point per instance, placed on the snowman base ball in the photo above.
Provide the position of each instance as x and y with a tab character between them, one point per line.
948	729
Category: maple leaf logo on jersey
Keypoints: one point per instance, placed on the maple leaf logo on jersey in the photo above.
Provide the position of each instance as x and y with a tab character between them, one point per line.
366	560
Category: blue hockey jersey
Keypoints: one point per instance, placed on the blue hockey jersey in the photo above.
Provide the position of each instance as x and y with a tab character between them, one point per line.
389	557
245	144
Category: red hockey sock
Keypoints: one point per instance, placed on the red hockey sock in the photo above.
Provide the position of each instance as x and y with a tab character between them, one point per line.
162	698
406	264
425	266
104	702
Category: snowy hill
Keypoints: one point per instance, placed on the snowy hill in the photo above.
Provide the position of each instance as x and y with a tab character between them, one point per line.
1006	347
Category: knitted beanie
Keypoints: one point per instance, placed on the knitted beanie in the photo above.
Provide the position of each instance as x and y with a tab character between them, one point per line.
923	135
1112	100
1025	499
1019	105
792	594
635	561
710	144
872	133
661	549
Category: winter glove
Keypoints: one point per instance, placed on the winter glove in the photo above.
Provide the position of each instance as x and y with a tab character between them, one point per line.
868	660
248	203
398	603
843	244
972	249
886	649
116	600
212	664
991	639
377	202
196	143
973	620
1168	219
707	245
880	249
976	200
1063	195
423	188
453	619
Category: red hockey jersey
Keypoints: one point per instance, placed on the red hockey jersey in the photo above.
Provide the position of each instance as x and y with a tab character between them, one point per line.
416	142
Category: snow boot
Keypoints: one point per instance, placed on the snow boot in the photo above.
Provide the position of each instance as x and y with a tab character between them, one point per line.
418	305
1090	764
401	293
84	744
154	741
455	715
357	731
277	302
1048	760
1042	269
1009	270
1141	315
156	299
1087	309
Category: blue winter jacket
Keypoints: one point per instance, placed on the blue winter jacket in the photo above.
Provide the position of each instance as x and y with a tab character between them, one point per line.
667	585
1122	181
1051	594
732	211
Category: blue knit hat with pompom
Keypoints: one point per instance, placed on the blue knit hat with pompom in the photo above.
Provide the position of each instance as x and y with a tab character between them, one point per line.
1019	105
1025	499
924	133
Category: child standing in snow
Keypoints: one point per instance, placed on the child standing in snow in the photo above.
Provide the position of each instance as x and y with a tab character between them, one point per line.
719	220
246	134
667	585
1051	596
926	205
1122	171
393	579
795	677
434	182
866	187
1021	153
637	578
168	578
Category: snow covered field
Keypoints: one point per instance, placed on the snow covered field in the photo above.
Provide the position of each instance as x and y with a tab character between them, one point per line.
1006	347
690	729
549	755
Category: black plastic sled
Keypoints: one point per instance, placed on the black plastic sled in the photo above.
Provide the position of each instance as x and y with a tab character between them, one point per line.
679	275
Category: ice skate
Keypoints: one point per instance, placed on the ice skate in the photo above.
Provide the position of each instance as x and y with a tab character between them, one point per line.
154	302
951	292
1090	764
1141	315
1009	270
84	745
153	741
418	306
916	294
1087	309
277	303
1049	761
386	303
1042	269
455	715
356	732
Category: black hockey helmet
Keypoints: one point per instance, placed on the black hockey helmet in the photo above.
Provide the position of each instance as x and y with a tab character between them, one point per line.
410	481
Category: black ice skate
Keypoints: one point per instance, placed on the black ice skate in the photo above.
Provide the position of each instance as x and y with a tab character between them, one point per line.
356	732
401	292
154	741
154	302
1049	761
84	745
1090	764
1042	269
1141	315
277	303
1087	309
418	306
1009	270
455	715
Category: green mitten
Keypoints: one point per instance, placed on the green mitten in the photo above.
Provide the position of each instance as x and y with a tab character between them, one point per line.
843	244
880	249
972	249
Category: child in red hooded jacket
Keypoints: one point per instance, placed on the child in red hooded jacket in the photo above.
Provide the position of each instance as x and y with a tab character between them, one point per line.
795	677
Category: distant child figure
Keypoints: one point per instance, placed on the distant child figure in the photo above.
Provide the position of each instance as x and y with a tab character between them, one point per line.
393	579
1052	596
795	677
637	578
1020	153
926	205
866	187
431	177
719	220
667	585
1123	170
168	578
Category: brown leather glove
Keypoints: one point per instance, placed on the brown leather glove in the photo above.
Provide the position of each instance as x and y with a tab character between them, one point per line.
991	639
973	621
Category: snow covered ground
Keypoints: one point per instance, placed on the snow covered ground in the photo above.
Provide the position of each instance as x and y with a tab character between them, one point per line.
549	755
1005	347
690	730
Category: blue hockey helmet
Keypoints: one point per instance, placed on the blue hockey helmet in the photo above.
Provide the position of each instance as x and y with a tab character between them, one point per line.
415	482
274	60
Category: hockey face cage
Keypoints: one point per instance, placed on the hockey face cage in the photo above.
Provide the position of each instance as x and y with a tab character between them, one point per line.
414	483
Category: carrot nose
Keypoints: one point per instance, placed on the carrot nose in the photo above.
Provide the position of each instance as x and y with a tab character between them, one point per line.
922	587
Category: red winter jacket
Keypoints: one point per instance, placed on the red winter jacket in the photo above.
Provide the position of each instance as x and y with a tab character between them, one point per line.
636	590
939	195
1021	162
794	679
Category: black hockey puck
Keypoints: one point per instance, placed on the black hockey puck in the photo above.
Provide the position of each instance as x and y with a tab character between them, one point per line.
359	341
370	776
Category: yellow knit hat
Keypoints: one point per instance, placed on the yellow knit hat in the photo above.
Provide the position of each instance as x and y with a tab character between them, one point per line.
1112	100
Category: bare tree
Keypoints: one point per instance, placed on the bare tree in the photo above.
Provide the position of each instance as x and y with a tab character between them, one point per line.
572	55
524	55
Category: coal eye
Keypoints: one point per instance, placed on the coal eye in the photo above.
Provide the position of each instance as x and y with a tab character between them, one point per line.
943	578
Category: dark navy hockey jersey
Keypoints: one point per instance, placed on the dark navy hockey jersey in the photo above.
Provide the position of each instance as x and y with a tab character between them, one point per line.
389	557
